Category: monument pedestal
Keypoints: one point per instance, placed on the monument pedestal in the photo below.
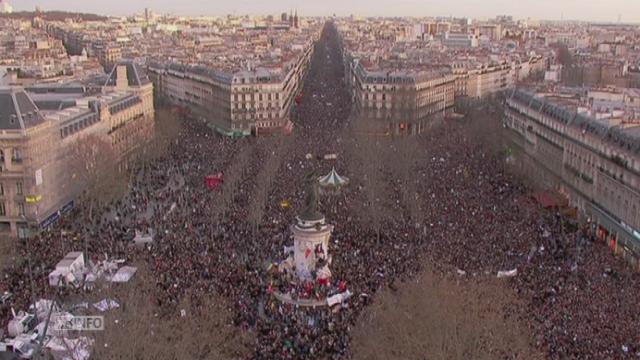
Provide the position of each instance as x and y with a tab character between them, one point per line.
311	245
305	273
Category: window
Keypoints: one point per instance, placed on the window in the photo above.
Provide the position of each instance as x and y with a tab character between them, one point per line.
19	189
21	209
3	210
16	156
1	189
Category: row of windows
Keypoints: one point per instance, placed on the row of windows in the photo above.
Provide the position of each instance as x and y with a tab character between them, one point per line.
268	124
268	106
121	106
19	206
19	188
620	201
16	155
73	128
247	97
258	116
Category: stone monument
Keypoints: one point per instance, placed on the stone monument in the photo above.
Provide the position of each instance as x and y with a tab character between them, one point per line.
311	237
304	278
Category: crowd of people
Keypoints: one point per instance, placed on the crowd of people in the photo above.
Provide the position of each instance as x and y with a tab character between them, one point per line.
474	220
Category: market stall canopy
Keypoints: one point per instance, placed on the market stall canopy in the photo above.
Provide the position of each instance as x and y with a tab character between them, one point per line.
333	179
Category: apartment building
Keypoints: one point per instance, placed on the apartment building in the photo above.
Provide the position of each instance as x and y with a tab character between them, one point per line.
476	81
38	131
236	103
400	101
594	161
460	40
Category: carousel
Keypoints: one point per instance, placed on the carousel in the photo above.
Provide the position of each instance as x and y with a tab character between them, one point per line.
332	183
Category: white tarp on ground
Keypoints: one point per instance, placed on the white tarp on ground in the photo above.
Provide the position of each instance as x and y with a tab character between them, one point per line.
338	298
507	273
124	274
69	270
71	349
43	306
106	304
143	238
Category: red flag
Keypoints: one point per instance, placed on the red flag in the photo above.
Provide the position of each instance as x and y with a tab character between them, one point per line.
213	181
342	286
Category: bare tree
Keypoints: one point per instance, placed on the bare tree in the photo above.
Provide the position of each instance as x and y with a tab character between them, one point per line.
233	175
367	150
277	149
140	329
402	160
166	127
96	169
7	250
441	318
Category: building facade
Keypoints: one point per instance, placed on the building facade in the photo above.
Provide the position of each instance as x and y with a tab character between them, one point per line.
36	145
596	166
235	103
398	101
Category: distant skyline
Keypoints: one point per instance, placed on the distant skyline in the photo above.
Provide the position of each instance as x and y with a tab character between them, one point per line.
593	10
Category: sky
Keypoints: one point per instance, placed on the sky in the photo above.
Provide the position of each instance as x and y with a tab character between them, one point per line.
595	10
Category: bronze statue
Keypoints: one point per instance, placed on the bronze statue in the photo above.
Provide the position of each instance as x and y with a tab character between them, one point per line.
310	211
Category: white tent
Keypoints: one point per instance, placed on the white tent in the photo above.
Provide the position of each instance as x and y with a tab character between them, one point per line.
333	180
124	274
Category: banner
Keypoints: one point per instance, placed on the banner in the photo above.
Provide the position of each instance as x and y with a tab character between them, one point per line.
213	181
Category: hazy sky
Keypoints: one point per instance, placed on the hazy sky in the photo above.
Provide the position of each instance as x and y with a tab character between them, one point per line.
600	10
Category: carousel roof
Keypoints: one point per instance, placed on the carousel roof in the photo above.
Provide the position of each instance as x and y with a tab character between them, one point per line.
333	179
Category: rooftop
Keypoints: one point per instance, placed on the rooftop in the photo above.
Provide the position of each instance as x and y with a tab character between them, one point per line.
17	110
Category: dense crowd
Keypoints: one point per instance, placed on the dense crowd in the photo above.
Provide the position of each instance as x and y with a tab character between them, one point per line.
475	220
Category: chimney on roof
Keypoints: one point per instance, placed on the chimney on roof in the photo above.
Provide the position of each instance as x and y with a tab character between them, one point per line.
122	80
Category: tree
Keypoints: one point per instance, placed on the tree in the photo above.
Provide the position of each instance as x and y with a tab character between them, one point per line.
278	147
406	151
367	150
140	329
96	169
166	127
233	175
564	55
439	318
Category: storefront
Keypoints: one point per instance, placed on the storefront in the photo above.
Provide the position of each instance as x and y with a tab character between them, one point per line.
618	237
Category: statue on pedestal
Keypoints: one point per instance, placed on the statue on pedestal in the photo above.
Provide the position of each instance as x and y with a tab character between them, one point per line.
310	212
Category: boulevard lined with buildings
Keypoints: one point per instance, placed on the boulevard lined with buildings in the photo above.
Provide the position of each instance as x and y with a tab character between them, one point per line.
468	150
243	75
